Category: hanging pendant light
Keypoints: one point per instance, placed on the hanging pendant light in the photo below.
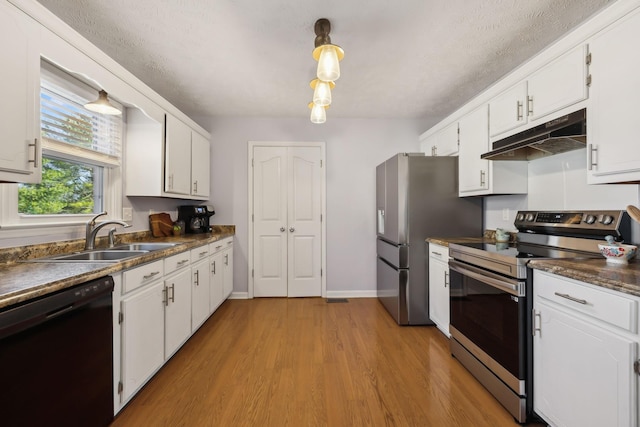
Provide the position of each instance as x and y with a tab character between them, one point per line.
102	105
318	113
321	92
328	55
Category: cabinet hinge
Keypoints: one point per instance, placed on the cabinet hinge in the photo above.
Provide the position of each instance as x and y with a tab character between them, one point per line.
120	387
588	59
320	163
636	367
589	80
120	317
252	273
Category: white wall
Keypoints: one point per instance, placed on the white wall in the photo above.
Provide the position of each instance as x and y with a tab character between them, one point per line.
354	147
560	183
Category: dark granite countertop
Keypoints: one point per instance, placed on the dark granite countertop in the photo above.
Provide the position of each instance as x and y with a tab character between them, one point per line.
21	281
596	271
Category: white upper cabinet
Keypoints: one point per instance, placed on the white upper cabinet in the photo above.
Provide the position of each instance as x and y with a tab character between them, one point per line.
554	87
200	165
176	158
442	143
177	178
613	115
20	149
477	176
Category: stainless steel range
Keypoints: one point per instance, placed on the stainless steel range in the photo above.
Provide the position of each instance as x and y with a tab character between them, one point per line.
490	286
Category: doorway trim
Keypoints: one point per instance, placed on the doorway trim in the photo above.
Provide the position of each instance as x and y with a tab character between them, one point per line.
323	206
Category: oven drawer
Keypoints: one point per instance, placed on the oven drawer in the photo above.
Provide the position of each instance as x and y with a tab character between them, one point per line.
611	308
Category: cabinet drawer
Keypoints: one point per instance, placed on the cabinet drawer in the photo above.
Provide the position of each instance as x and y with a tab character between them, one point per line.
199	253
438	252
176	262
220	245
614	309
140	276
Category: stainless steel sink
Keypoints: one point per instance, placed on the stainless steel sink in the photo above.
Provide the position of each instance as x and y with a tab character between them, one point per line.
149	246
93	256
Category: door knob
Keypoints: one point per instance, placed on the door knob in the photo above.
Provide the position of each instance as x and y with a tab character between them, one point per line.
292	229
282	229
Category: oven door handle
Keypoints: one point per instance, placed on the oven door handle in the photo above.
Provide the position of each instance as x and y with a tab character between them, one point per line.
513	287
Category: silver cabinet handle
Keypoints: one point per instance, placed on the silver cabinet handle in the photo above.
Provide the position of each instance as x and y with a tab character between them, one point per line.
592	151
183	261
291	229
570	298
226	259
35	152
203	253
197	276
482	178
150	275
165	300
535	328
530	105
436	253
173	293
446	279
213	265
282	229
518	111
195	186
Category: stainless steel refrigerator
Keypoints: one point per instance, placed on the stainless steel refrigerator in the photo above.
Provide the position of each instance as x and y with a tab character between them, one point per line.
416	198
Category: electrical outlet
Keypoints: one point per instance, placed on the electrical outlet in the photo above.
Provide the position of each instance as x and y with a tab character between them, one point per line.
127	214
505	214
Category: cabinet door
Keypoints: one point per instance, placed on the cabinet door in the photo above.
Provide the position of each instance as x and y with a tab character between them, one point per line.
200	165
473	171
20	154
439	287
200	293
508	110
227	259
559	84
612	128
216	284
583	374
177	300
447	141
142	337
177	177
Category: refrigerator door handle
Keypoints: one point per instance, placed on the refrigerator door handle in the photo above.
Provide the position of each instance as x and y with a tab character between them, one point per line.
380	221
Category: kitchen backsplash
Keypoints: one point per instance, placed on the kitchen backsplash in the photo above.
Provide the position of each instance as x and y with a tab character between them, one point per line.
560	183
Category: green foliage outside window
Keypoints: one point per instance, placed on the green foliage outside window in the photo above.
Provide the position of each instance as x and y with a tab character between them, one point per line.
66	188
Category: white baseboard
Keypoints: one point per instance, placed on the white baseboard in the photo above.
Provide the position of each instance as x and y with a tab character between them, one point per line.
330	294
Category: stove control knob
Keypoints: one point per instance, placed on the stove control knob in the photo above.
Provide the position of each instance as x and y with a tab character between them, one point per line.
606	219
590	219
530	217
520	217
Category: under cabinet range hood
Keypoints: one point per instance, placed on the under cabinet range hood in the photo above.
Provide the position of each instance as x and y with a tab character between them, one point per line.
557	136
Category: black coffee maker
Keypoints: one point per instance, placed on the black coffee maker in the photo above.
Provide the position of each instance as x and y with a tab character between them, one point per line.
195	218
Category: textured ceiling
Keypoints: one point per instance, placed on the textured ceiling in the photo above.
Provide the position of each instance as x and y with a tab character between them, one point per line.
403	58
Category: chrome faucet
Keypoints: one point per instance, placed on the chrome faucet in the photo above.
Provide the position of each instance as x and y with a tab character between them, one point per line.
92	230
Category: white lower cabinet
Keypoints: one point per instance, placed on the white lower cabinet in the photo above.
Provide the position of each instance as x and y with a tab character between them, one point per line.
221	278
142	329
439	286
228	272
200	286
585	346
177	301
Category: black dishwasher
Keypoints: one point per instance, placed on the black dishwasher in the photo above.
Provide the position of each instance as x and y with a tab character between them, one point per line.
56	358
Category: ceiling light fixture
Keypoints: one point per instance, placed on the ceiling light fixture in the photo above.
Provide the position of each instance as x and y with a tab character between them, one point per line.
318	113
102	105
328	56
321	92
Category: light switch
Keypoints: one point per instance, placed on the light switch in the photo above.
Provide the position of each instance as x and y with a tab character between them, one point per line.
505	214
127	214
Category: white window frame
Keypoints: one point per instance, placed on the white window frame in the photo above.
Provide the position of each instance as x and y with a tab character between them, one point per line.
13	224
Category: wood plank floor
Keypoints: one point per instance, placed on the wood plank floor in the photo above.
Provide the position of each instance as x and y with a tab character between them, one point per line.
306	362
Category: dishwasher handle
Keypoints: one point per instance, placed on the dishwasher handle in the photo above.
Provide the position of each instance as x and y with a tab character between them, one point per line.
22	316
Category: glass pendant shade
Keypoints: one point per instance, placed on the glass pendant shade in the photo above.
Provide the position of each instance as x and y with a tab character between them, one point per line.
318	113
321	92
328	64
102	105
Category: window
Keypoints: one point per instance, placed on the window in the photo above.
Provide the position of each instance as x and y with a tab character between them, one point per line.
81	153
